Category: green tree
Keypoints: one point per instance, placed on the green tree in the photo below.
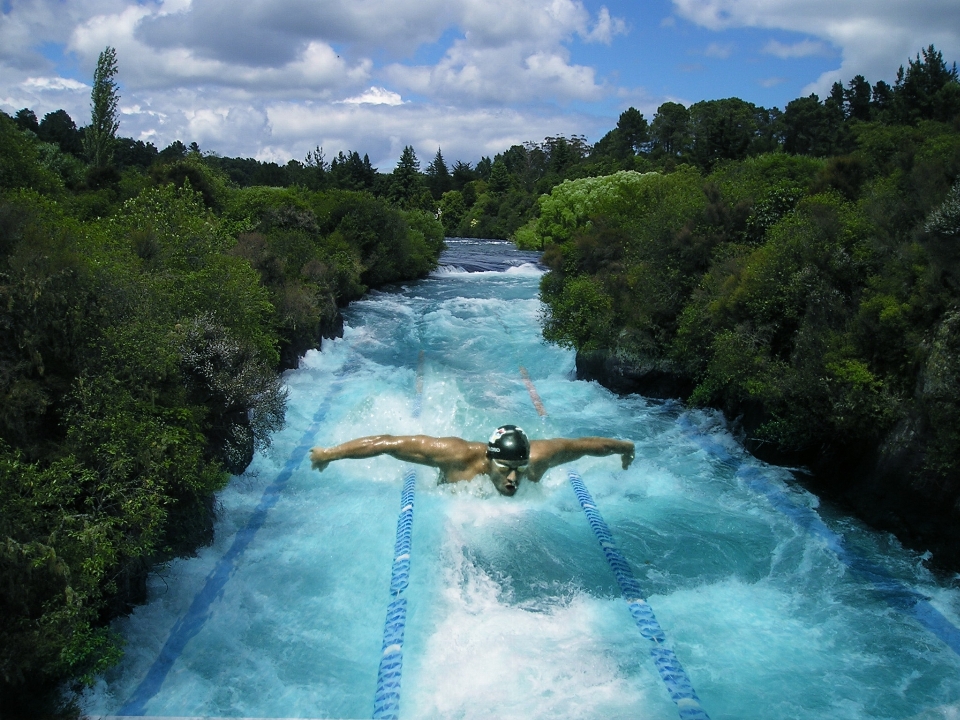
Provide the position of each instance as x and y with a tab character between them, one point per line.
318	168
406	185
722	130
634	130
438	176
812	128
350	172
452	211
670	130
462	174
499	177
927	89
857	98
26	119
100	136
628	138
58	127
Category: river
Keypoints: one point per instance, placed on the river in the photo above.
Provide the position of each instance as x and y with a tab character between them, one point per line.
775	605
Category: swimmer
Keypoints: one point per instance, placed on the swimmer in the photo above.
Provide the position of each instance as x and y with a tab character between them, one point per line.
506	458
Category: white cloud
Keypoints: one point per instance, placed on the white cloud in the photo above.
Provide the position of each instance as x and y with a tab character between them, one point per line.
606	28
374	96
874	38
275	78
508	74
53	83
804	48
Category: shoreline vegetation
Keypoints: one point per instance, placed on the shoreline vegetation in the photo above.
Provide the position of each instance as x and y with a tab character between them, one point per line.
811	293
797	269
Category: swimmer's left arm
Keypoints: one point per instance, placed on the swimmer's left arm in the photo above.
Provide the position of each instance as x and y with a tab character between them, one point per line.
550	453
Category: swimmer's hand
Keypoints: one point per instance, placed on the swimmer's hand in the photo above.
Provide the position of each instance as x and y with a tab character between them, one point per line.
319	459
627	457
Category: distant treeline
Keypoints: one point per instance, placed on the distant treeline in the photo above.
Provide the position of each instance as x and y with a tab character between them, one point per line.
799	270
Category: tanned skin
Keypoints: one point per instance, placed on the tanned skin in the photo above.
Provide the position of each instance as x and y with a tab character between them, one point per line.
458	459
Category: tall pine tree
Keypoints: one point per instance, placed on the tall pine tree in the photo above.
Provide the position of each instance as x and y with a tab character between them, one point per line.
438	176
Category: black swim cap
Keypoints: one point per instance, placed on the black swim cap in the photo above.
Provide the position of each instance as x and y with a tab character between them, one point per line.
508	443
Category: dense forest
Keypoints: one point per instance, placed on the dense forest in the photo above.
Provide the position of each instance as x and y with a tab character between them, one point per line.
797	269
147	305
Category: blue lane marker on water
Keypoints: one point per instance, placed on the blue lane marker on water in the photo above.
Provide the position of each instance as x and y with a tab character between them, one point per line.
197	615
386	701
671	671
896	594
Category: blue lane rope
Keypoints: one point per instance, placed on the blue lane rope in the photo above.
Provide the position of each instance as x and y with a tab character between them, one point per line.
895	593
386	701
671	671
187	627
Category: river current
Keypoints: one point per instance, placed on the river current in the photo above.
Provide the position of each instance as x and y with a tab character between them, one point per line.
776	605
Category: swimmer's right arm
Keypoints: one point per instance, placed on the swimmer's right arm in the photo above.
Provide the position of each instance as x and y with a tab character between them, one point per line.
421	449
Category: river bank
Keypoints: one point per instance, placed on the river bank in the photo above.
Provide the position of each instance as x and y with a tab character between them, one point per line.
885	484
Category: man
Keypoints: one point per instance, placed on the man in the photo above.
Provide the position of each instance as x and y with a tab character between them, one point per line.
505	458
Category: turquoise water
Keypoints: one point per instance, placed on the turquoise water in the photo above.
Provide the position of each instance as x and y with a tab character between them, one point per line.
776	606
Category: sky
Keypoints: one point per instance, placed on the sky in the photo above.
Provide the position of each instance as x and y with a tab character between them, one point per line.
274	79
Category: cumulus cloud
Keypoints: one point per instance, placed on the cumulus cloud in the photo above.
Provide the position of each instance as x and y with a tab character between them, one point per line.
315	70
374	96
53	83
274	78
606	28
874	38
503	75
514	52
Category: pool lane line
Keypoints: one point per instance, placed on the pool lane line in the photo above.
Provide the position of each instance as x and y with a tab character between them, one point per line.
386	699
187	627
664	659
668	665
534	395
895	593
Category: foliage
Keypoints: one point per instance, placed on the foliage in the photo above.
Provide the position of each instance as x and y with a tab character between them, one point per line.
812	292
99	139
143	319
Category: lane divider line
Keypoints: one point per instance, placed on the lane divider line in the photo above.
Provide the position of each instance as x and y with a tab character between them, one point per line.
386	700
671	672
187	627
895	593
664	659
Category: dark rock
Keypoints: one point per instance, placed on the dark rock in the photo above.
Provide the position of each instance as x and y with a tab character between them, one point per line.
331	326
624	377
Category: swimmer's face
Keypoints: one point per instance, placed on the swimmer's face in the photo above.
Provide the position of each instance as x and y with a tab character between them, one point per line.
506	475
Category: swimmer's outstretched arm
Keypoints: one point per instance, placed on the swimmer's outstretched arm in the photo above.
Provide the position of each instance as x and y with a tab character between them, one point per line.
550	453
420	449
